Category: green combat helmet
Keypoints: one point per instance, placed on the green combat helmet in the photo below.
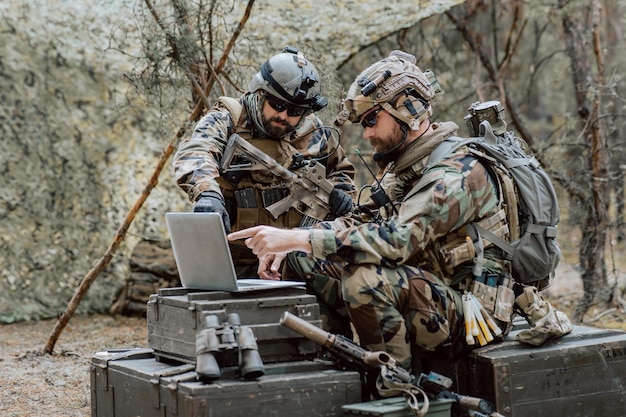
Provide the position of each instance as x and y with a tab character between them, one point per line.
395	83
289	76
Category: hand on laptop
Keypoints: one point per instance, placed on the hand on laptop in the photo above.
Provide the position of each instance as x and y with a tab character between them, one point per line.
269	266
212	202
268	240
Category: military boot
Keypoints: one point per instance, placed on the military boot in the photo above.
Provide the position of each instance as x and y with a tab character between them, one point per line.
546	321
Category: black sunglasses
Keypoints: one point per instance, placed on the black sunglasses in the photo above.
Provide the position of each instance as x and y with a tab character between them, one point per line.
280	106
369	120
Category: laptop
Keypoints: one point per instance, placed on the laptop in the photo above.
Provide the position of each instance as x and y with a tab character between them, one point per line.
203	256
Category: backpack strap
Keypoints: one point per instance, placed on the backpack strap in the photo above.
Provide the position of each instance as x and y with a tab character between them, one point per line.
445	148
475	230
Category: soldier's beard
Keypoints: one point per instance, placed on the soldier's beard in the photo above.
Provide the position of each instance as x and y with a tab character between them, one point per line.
388	149
278	129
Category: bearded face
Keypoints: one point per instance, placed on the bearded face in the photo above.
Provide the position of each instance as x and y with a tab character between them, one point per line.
387	139
385	134
276	126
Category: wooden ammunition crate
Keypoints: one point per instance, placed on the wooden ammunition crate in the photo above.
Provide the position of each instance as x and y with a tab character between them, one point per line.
133	383
175	315
582	374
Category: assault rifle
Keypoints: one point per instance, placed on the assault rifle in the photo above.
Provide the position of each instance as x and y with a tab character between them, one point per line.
309	189
391	376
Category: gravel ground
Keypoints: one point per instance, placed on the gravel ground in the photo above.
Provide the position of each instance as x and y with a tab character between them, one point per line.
34	384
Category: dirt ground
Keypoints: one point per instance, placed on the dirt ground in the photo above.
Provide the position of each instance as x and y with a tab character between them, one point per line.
33	384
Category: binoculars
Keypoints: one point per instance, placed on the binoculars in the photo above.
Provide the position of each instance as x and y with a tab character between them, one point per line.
216	340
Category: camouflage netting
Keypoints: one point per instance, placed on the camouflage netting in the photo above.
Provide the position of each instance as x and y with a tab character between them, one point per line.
78	147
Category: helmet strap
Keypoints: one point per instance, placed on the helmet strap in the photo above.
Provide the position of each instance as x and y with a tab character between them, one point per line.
413	124
419	113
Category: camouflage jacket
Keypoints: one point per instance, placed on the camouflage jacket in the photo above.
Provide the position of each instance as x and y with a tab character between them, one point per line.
197	161
432	205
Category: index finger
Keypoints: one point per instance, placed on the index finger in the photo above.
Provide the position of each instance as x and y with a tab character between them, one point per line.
244	233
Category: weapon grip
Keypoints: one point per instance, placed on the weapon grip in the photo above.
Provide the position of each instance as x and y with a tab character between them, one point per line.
281	206
477	404
338	344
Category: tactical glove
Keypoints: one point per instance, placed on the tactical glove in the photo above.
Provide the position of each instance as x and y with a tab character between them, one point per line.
212	202
340	202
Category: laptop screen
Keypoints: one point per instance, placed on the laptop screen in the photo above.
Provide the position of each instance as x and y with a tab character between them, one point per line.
203	255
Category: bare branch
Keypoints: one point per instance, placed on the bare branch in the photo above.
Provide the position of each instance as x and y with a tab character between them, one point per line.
176	54
494	75
242	22
104	261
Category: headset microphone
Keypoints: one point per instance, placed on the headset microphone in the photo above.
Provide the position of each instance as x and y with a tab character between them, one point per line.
383	156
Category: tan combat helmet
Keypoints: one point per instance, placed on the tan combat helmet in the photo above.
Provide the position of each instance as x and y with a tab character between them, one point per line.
395	83
289	76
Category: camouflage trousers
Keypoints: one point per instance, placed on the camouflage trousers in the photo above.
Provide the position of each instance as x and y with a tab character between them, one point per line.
396	310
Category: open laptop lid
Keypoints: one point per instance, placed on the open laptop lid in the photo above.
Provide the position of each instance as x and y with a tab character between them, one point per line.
203	257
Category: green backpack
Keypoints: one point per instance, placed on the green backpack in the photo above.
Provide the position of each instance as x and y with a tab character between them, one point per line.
530	198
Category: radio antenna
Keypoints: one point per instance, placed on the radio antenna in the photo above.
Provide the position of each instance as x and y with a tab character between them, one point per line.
378	195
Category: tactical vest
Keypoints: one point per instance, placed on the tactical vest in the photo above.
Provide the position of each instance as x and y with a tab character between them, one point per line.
461	246
247	195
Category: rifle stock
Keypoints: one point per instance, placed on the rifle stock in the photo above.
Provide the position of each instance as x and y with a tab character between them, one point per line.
433	384
309	189
241	155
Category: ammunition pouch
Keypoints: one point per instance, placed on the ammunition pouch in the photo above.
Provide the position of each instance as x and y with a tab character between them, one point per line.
247	207
494	292
462	254
463	246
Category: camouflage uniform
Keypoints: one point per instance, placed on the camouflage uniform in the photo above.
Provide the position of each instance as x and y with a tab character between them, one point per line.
197	168
395	289
401	274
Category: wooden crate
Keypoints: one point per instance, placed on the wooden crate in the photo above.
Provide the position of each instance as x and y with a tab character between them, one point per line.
582	374
396	407
175	315
134	383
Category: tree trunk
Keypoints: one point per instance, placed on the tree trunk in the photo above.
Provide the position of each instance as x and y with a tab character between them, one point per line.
595	224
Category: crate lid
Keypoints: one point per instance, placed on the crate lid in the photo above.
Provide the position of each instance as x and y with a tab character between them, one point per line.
396	407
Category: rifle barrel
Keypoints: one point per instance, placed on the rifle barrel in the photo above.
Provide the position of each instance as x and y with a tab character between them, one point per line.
306	329
336	343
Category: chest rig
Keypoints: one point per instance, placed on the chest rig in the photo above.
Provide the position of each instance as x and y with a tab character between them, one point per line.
461	258
461	245
246	194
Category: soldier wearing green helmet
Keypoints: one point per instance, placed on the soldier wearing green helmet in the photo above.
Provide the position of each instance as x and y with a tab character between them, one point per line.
276	115
406	261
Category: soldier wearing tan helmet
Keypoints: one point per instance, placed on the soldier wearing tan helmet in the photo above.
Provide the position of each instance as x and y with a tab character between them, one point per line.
402	270
276	115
